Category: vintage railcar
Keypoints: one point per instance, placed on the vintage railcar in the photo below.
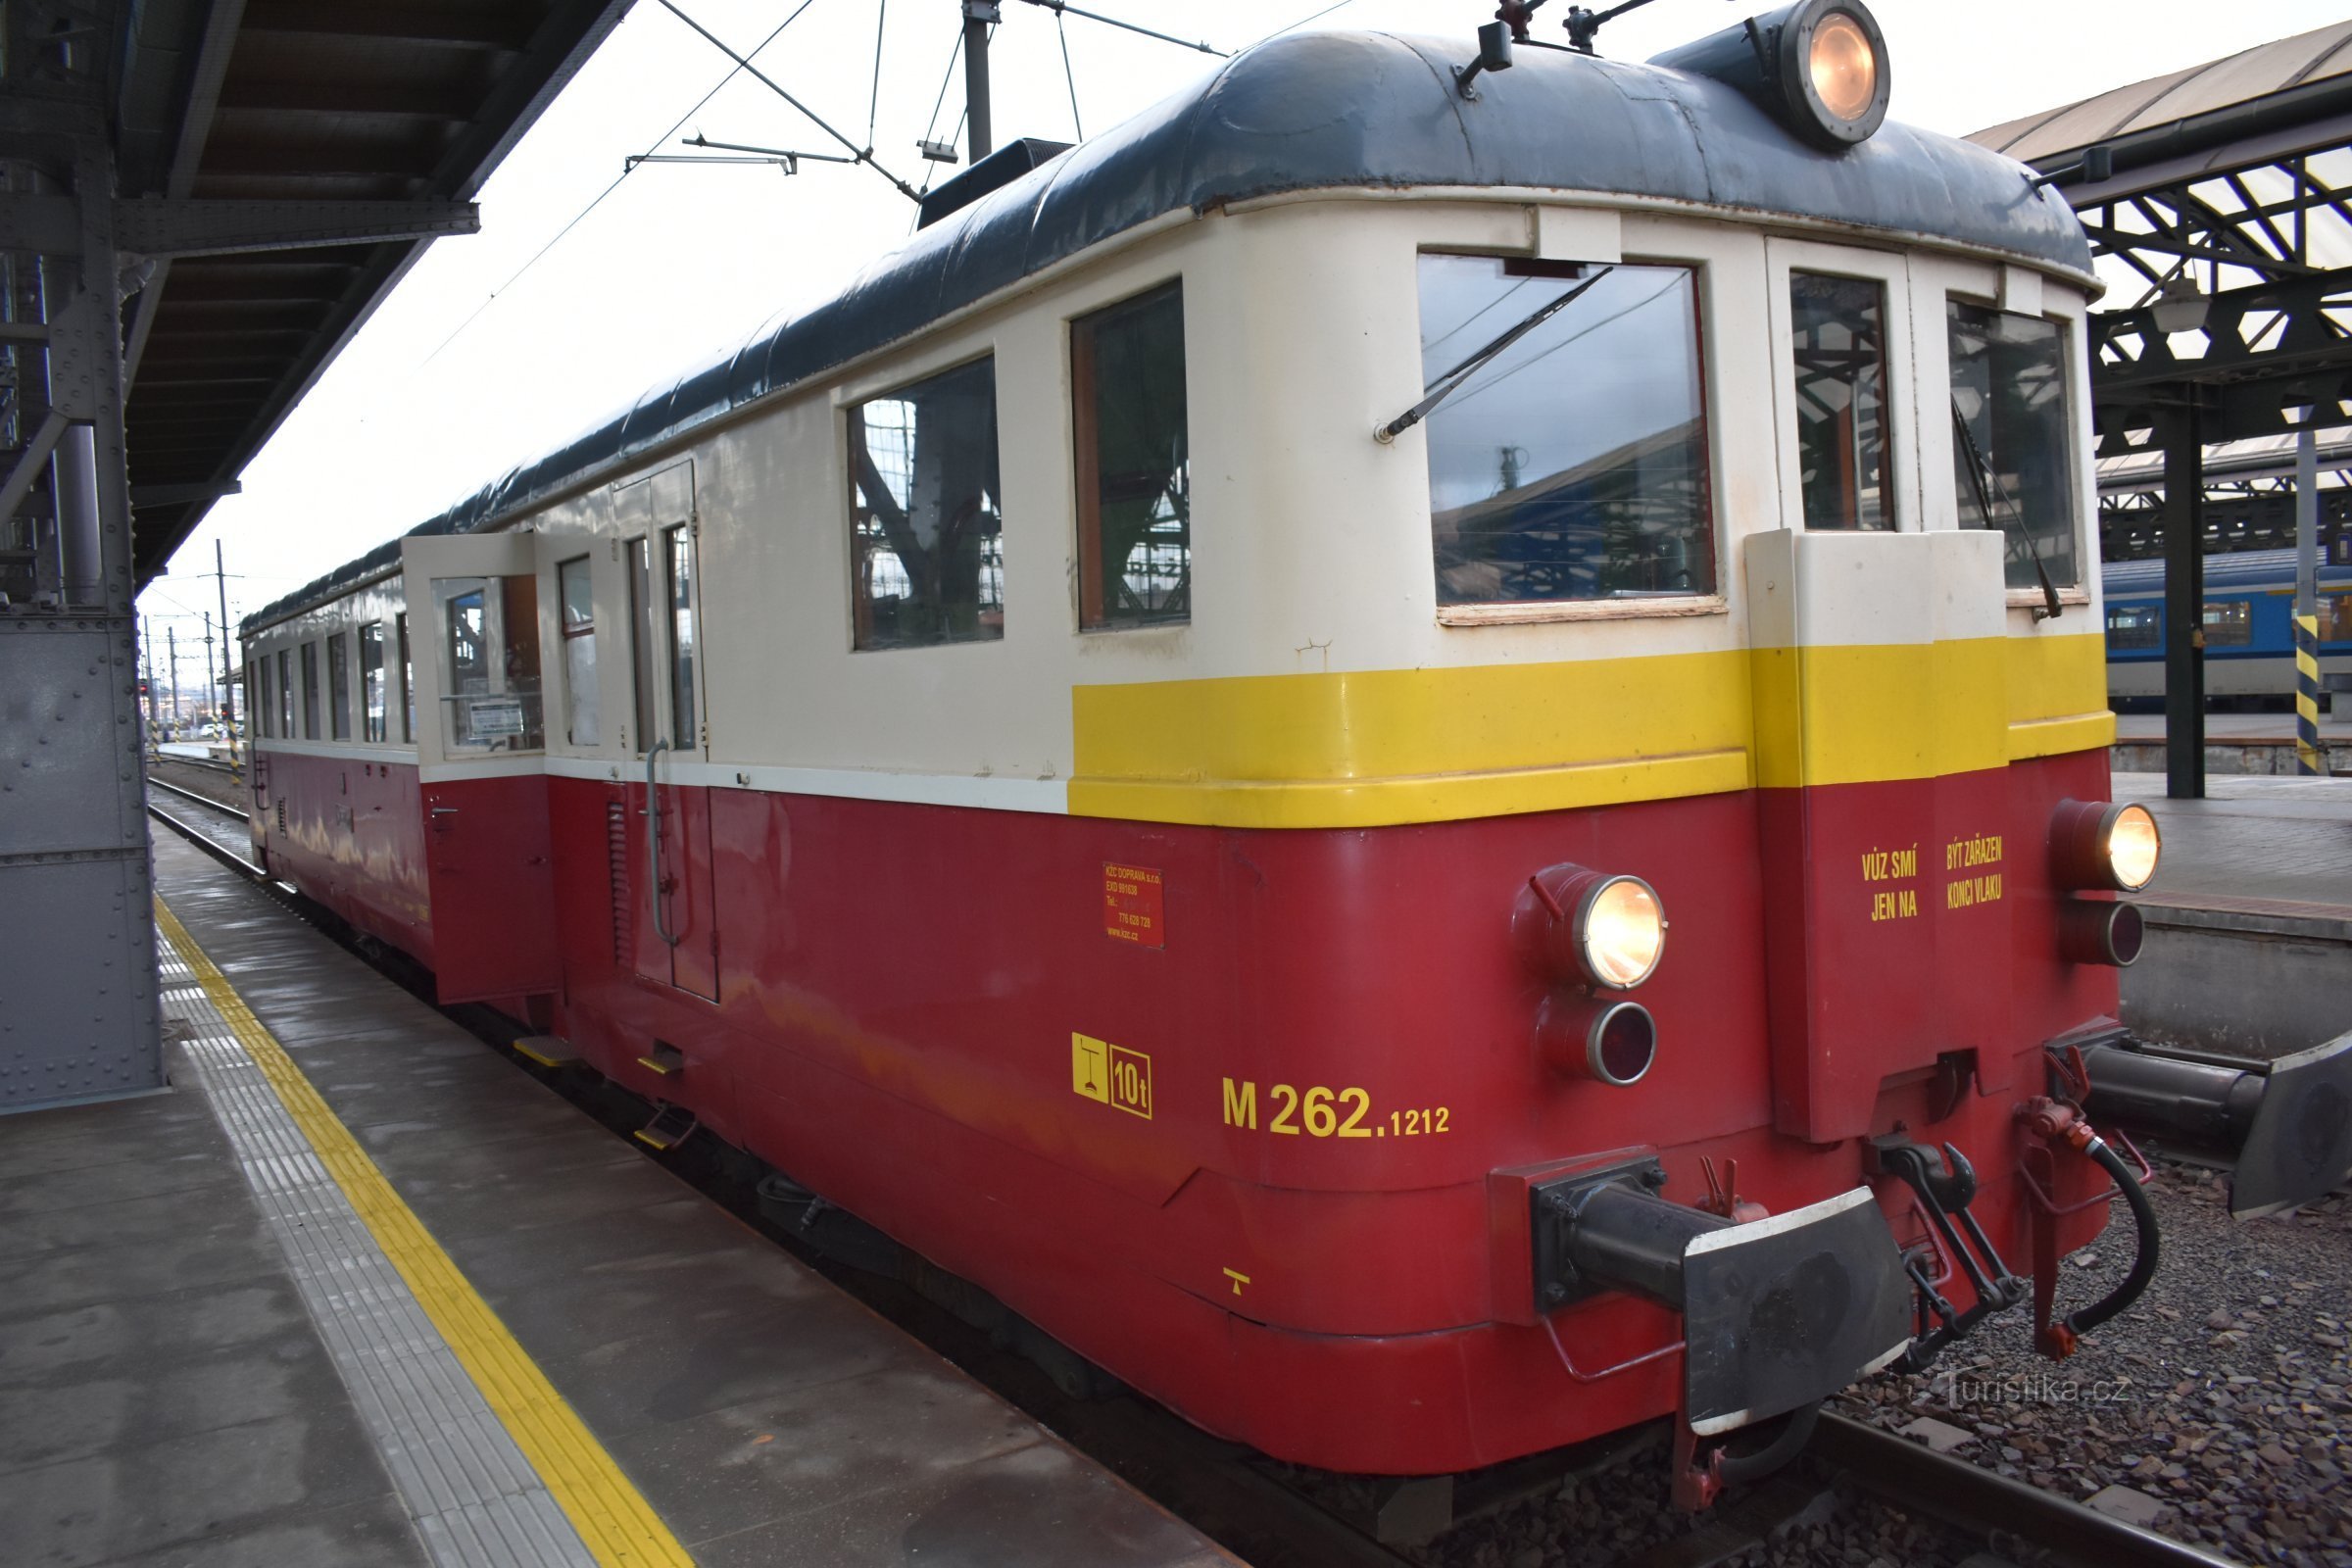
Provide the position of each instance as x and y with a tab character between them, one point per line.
1148	749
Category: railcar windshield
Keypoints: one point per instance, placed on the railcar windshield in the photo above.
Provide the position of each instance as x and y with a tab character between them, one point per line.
1568	458
1838	347
2011	446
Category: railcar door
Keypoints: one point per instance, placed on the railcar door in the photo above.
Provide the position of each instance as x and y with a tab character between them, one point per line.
668	808
481	738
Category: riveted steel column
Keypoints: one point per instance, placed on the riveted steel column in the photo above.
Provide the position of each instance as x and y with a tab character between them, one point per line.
2183	605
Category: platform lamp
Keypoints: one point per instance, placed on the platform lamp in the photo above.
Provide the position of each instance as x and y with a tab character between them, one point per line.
2180	305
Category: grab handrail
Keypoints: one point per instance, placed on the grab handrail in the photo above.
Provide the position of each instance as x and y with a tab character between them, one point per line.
652	838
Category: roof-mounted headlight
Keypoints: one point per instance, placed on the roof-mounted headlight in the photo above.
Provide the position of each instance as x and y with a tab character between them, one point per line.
1818	65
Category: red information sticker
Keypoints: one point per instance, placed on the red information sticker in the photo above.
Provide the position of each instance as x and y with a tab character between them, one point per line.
1131	907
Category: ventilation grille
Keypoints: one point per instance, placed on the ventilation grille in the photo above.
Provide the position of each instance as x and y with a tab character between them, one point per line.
616	851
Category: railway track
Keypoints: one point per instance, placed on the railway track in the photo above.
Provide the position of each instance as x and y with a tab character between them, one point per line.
1247	1504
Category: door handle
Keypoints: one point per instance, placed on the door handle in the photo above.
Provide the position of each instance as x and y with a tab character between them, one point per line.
445	810
653	838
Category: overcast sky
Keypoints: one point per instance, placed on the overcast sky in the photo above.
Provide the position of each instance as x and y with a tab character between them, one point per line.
469	368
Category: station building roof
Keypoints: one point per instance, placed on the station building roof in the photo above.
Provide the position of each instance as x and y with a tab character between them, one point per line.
1327	110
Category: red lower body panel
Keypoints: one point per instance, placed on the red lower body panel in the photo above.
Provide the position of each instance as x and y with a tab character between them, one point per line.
1224	1109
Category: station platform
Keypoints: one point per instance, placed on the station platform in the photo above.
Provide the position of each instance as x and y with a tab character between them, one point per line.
359	1291
2249	916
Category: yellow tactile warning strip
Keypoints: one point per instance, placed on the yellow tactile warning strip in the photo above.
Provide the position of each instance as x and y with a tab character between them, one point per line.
614	1520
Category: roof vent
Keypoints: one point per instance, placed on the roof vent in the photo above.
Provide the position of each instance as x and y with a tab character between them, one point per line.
998	169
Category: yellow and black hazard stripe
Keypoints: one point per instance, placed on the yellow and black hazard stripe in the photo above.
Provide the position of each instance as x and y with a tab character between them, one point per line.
2307	696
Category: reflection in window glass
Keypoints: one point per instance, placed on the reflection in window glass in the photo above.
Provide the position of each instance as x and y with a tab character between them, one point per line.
489	652
310	691
2134	626
260	707
2228	622
1838	349
407	681
1565	475
678	557
338	686
2335	617
576	588
285	694
1135	529
371	680
2010	445
927	540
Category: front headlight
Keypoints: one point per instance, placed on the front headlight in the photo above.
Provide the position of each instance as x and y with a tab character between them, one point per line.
2104	844
1843	65
1620	931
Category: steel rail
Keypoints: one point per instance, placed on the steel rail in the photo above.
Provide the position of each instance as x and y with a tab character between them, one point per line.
208	843
201	800
1974	1497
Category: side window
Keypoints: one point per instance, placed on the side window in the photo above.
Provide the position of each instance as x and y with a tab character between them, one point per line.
489	652
639	572
2335	617
285	694
338	686
678	581
2228	622
927	543
1134	508
576	587
260	715
2011	446
371	681
310	691
1567	431
1839	350
2132	627
407	681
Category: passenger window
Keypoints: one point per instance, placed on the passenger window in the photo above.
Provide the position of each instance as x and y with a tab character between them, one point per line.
678	557
338	686
489	650
285	694
1135	510
2228	622
927	544
407	681
2335	617
1568	455
2011	451
640	644
576	587
371	681
257	711
310	691
1839	350
2134	626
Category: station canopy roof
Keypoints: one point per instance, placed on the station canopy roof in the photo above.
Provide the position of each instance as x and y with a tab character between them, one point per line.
328	101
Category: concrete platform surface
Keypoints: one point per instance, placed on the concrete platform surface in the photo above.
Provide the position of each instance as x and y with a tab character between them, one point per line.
2279	840
211	1356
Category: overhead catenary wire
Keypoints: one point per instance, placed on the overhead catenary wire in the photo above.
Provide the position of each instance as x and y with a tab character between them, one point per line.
873	103
1077	123
1059	7
628	168
1303	20
864	155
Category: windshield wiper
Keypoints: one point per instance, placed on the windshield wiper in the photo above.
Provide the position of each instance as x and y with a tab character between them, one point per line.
1444	386
1979	472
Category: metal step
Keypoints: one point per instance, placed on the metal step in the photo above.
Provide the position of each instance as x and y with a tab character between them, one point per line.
547	1050
664	1058
672	1126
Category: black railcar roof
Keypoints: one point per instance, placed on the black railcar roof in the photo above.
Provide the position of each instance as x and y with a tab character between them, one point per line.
1326	111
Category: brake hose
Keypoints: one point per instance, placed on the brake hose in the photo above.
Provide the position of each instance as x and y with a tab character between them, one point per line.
2144	1264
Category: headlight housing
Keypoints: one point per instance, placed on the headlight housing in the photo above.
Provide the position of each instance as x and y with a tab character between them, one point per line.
1574	923
2104	844
1818	67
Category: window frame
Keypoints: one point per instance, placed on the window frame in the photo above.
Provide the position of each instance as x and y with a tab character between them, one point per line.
375	728
566	633
1080	332
849	400
310	660
1892	272
338	685
1715	263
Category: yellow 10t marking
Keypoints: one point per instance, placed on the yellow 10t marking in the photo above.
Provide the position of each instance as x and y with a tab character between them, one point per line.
1321	1113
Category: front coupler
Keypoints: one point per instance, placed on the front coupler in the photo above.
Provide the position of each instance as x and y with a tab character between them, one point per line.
2284	1129
1778	1313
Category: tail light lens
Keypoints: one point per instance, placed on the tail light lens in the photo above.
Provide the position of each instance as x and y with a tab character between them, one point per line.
1573	924
2096	931
1611	1042
2104	844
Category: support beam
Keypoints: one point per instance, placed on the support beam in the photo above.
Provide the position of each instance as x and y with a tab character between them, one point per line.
2183	604
51	225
